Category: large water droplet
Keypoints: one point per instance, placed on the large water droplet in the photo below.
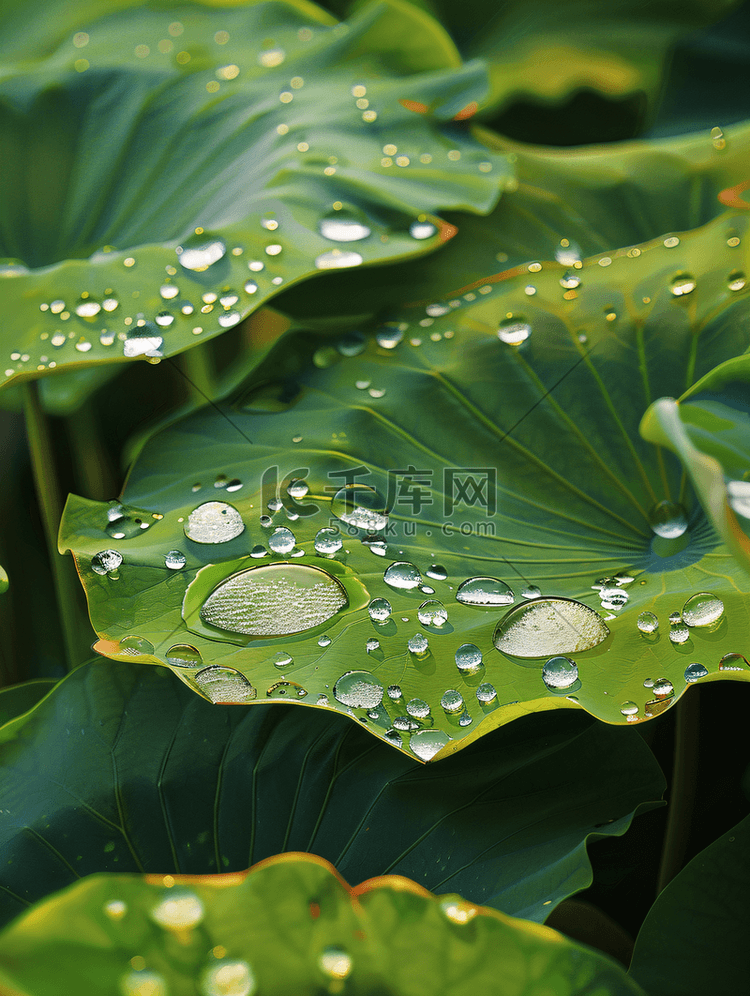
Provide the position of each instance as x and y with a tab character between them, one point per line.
570	280
135	646
682	285
422	230
379	610
361	506
647	622
418	708
568	255
274	600
389	336
468	658
175	560
432	613
87	308
437	572
228	978
343	226
125	523
183	655
663	688
337	259
629	709
402	575
142	344
225	685
679	633
486	692
559	672
335	963
427	743
394	692
143	983
736	281
695	671
418	645
703	609
514	331
359	690
178	911
485	592
452	701
199	252
372	645
668	519
282	540
214	522
328	540
550	626
106	561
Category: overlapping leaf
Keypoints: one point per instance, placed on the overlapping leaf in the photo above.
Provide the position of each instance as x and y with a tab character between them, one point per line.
122	768
694	938
165	177
289	925
3	580
18	699
518	462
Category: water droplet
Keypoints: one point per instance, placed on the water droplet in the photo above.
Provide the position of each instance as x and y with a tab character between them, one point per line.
436	572
484	591
682	285
468	658
570	280
199	252
418	709
274	600
87	308
432	613
135	646
297	489
183	655
169	292
164	319
675	617
174	560
143	983
629	709
337	259
530	591
228	978
344	226
324	641
13	268
736	281
402	575
116	909
322	700
379	610
452	701
418	645
695	671
140	343
457	910
548	626
663	688
229	318
422	230
613	597
394	692
178	911
335	963
372	645
352	344
647	622
258	551
679	633
389	336
406	724
568	254
225	685
514	331
559	672
733	662
214	522
427	743
106	561
359	690
328	540
703	609
282	540
668	519
361	506
486	692
375	544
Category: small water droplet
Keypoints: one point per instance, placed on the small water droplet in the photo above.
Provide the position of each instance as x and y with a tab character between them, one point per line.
432	613
568	253
394	692
530	591
324	641
169	292
143	983
214	522
679	633
344	226
629	709
402	575
452	701
183	655
668	519
335	963
328	540
379	610
87	308
258	551
675	617
570	280
484	591
337	259
457	910
514	331
695	671
298	489
703	609
372	645
663	688
135	646
282	540
116	909
178	911
359	690
437	572
389	336
229	318
352	344
736	281
174	560
647	622
559	672
427	743
106	561
422	230
733	662
682	285
322	700
228	978
468	658
486	692
164	319
418	708
141	343
406	724
418	645
225	685
198	252
361	506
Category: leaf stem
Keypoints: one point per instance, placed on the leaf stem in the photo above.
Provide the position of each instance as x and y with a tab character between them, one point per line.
196	366
93	464
50	508
682	794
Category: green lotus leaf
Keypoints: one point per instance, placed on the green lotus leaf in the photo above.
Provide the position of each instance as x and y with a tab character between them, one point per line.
18	699
523	803
709	430
564	205
500	429
695	935
290	924
184	171
3	580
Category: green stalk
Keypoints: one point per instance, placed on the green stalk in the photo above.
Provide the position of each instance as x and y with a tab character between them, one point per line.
682	794
92	459
197	368
50	507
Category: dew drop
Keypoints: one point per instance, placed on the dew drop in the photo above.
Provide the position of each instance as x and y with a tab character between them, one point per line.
695	671
647	622
116	909
106	561
229	319
437	572
468	658
250	287
214	522
394	692
484	591
337	259
675	617
568	255
417	708
422	230
199	252
298	489
335	963
358	690
143	983
514	331
168	292
324	641
486	692
559	672
328	540
225	685
87	308
379	610
402	575
135	646
629	709
183	655
457	910
352	344
229	978
668	519
703	609
452	701
274	600
178	911
258	551
372	645
432	613
361	506
570	280
164	319
283	659
736	281
389	336
174	560
375	544
427	743
679	633
548	626
663	688
418	645
682	285
530	591
282	540
342	226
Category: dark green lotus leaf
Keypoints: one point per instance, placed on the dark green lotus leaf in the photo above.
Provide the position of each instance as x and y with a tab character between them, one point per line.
3	580
568	205
694	939
709	429
95	780
183	171
520	463
18	699
289	925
